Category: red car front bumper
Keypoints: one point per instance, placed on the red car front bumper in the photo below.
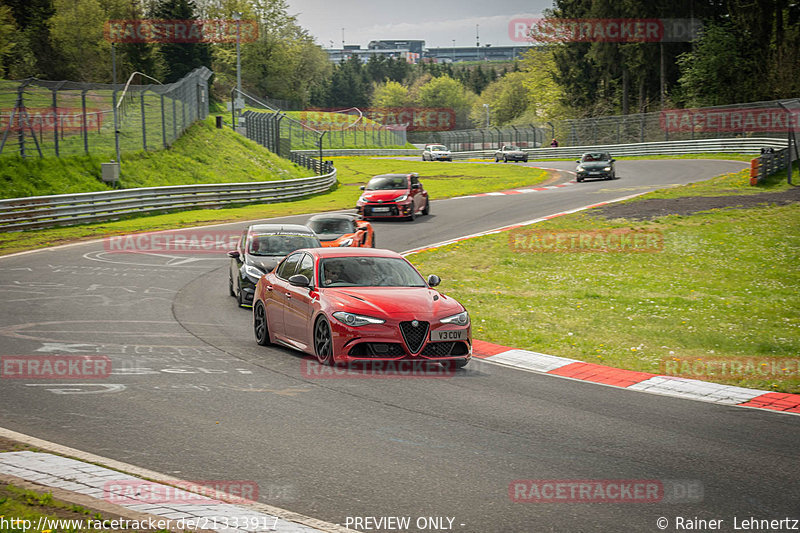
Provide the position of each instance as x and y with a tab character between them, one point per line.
385	210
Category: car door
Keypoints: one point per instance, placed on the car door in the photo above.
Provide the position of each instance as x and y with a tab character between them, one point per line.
414	192
275	298
299	308
237	262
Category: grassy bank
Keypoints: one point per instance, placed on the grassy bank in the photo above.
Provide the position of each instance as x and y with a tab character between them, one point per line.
203	154
725	285
441	181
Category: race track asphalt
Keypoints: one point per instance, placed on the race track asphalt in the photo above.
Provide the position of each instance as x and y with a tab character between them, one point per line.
193	396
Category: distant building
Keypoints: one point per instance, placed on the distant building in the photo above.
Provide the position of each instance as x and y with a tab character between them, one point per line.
414	51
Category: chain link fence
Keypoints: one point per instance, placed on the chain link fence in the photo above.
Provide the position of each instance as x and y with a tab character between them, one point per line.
41	118
758	119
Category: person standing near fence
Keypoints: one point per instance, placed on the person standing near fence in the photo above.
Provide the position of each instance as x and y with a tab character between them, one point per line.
554	144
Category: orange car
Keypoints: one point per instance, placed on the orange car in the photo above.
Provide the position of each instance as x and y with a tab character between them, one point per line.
342	230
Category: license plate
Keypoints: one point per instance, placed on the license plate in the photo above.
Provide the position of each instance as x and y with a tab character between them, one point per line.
449	335
593	173
380	209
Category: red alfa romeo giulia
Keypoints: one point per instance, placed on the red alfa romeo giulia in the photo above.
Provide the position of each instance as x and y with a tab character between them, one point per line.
359	304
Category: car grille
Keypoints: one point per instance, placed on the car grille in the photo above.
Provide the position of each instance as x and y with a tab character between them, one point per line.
392	211
377	349
445	349
414	336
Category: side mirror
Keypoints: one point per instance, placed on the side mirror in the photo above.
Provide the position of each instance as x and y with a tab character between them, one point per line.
233	254
299	280
434	280
415	186
612	159
362	187
577	160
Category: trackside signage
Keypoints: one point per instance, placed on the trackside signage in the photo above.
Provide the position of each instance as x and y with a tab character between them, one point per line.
404	369
180	31
764	119
605	491
603	30
55	367
127	491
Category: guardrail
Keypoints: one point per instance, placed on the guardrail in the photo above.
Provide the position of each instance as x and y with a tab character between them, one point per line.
769	162
730	146
69	209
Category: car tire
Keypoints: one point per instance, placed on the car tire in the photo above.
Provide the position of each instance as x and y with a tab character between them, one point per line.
505	159
427	209
496	159
373	241
260	326
230	286
579	180
454	364
525	160
239	299
323	342
413	214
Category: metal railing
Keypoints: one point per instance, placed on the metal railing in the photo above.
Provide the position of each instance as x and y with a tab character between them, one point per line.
768	163
70	209
730	146
65	118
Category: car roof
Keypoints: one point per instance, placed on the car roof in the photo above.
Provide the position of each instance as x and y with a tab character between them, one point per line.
352	252
333	216
278	229
395	175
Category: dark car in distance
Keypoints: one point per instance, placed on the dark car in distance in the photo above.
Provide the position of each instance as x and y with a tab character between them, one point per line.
260	249
599	165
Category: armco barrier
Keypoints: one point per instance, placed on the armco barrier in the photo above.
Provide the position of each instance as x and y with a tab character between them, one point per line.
767	164
68	209
698	146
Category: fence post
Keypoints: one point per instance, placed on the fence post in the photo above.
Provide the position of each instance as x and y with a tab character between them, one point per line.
144	124
55	118
84	123
116	123
163	122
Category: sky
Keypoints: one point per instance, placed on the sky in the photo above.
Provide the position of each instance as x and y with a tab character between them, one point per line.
437	23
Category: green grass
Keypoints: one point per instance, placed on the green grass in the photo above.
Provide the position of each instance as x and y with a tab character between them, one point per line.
442	180
202	155
725	285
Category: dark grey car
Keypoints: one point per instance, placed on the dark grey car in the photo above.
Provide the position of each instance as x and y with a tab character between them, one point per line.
260	249
510	153
599	165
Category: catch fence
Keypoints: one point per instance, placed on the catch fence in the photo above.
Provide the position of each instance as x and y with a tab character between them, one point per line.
40	118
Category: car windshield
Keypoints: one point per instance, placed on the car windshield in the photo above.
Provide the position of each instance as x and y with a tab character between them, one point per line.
328	226
512	148
595	156
280	245
438	148
368	272
387	183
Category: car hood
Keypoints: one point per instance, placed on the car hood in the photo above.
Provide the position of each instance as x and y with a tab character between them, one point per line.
595	165
265	263
397	303
383	196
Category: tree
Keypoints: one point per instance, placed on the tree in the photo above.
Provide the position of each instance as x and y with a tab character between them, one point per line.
8	32
349	85
444	91
390	94
180	58
77	31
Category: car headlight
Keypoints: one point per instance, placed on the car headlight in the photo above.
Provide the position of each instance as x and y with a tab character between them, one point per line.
354	320
579	169
252	272
346	242
461	319
607	169
400	198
